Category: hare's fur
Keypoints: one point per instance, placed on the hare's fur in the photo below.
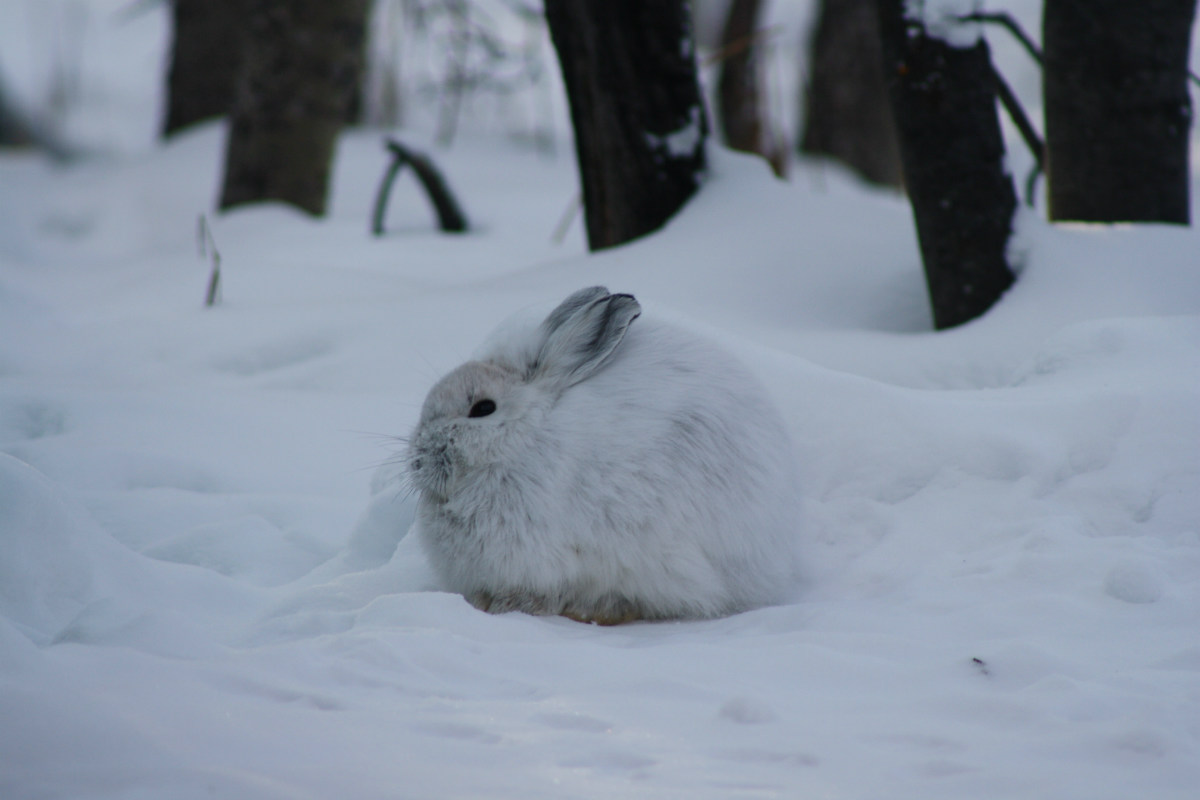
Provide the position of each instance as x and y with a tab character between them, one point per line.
628	471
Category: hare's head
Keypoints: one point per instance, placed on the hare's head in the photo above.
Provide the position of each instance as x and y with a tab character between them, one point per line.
480	411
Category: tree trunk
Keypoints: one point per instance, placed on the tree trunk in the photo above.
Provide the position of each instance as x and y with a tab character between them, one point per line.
636	108
206	54
739	101
15	131
302	69
1118	114
944	103
847	115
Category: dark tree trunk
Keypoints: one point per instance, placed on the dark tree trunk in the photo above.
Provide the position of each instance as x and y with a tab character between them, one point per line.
302	70
944	103
206	54
739	100
640	128
15	131
1118	113
847	115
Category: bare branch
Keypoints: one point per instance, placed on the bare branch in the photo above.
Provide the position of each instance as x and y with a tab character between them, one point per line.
1006	20
1017	114
450	216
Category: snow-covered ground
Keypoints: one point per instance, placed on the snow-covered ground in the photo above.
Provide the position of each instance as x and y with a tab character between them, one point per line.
206	589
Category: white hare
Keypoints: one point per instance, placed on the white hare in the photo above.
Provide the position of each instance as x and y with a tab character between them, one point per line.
606	472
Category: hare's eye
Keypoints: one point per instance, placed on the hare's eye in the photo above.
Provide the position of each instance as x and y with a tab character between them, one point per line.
482	408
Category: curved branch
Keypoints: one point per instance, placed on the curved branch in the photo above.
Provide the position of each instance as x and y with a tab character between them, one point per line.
1012	106
450	215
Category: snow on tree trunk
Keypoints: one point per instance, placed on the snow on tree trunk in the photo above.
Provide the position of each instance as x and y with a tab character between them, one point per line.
1118	114
302	69
636	108
943	99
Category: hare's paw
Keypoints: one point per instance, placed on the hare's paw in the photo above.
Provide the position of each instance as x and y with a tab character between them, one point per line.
611	610
502	602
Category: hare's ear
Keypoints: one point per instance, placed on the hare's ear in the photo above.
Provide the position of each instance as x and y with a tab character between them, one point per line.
571	306
581	334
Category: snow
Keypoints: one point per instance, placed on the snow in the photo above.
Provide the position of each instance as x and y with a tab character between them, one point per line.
943	19
205	584
683	142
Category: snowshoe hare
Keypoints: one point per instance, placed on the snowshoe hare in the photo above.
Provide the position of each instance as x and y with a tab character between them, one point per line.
606	472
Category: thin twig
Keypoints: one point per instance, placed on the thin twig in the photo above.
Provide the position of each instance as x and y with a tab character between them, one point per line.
568	217
1006	20
1017	114
208	248
739	45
